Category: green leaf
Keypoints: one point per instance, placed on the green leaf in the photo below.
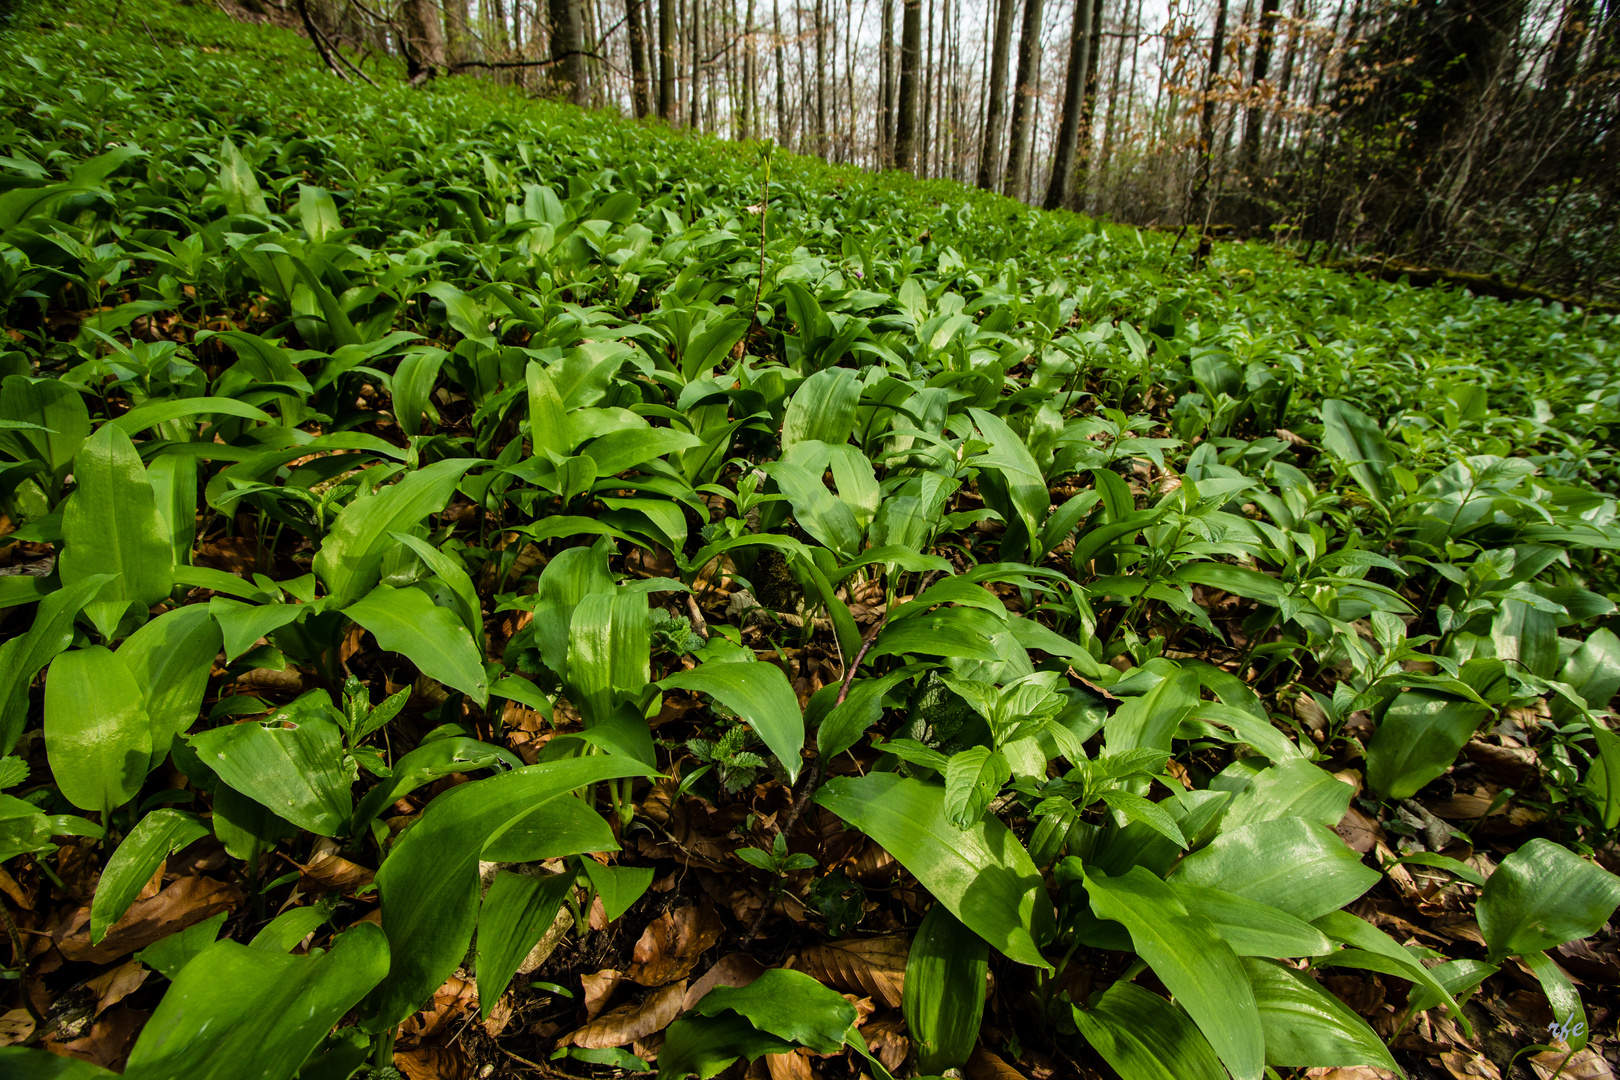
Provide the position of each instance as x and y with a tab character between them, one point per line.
822	409
422	766
1357	440
618	886
702	1046
516	914
170	955
961	633
97	732
862	707
829	520
429	881
23	657
1136	808
171	658
789	1005
1191	959
1377	951
609	645
982	874
1418	738
1307	1027
551	433
1541	896
1296	865
61	419
407	621
154	413
1292	788
1458	977
111	525
296	772
943	992
137	858
285	931
1250	927
350	559
22	1063
237	183
236	1011
760	694
1562	997
973	777
1144	1037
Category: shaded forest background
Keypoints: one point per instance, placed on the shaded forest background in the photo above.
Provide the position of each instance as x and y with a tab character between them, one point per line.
1472	135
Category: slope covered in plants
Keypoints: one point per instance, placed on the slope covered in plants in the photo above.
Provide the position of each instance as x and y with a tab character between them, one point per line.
486	584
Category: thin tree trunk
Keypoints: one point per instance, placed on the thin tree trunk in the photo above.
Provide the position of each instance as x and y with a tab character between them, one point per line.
1206	124
1029	55
750	91
1254	120
1113	100
784	134
694	100
821	80
638	57
1082	182
926	149
567	50
1074	87
424	38
995	96
458	36
666	60
910	52
885	132
1285	83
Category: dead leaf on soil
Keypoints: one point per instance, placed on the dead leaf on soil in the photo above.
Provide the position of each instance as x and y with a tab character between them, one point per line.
984	1065
108	1041
874	966
117	984
333	873
1469	1066
735	969
628	1023
791	1066
1586	1065
598	989
673	943
887	1039
1349	1072
432	1063
185	903
15	1026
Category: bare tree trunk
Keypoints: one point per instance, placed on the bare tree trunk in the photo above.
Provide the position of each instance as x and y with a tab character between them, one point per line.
805	124
995	96
424	39
1082	181
1206	125
567	50
1074	88
1285	83
1029	52
638	58
784	133
1254	119
905	134
885	117
1113	101
666	59
926	148
750	95
694	99
821	80
457	33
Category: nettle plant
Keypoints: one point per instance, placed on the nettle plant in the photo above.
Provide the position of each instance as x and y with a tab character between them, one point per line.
392	479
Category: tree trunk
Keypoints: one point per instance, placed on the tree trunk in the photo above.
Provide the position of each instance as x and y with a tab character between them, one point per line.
666	59
784	133
1082	182
995	96
1074	88
1254	119
925	150
905	134
1285	84
424	39
638	57
1113	102
821	80
1023	105
750	93
1206	124
457	33
567	50
694	90
885	117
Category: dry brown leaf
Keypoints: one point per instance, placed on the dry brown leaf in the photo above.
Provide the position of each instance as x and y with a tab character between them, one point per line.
790	1066
598	989
450	1001
673	943
432	1063
1585	1065
185	903
326	872
117	984
984	1065
1359	831
887	1039
735	969
1469	1066
1349	1072
874	966
108	1041
499	1017
15	1026
628	1023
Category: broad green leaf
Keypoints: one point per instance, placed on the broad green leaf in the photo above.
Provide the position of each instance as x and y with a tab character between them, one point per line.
1250	927
1541	896
452	573
236	1011
574	574
23	657
407	621
829	520
237	183
137	858
97	732
1377	951
1190	958
1144	1037
516	914
982	874
973	777
1593	671
702	1046
1152	720
412	388
1562	997
1296	865
822	409
609	644
618	886
425	764
862	707
296	771
1418	738
550	431
111	525
961	633
350	559
24	1063
1292	788
429	881
760	694
788	1004
242	625
1307	1027
285	931
555	829
171	658
943	993
154	413
60	418
1357	440
1151	814
1458	977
